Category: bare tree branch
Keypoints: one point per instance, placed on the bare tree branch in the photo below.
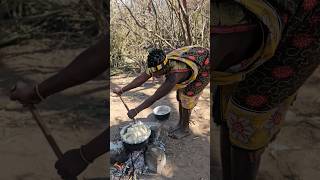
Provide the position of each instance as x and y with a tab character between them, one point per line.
163	24
134	18
144	27
180	21
186	20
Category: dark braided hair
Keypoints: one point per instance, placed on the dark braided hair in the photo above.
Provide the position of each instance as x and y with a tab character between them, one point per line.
155	57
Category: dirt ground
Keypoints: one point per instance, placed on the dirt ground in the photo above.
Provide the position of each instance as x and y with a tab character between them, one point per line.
187	159
74	116
294	155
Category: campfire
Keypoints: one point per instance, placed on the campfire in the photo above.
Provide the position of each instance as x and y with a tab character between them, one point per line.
148	160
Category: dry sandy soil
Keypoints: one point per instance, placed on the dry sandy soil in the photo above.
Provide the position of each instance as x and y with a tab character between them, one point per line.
187	158
74	116
294	155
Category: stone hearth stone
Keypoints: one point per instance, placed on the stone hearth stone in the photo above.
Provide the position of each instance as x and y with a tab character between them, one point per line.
155	159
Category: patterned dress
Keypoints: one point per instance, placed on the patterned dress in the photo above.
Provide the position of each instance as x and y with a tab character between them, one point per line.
195	60
254	95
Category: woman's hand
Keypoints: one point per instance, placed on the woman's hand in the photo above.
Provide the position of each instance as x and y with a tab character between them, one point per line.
132	113
117	91
74	161
24	93
71	164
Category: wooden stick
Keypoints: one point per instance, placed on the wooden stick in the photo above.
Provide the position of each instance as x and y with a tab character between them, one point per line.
47	134
127	108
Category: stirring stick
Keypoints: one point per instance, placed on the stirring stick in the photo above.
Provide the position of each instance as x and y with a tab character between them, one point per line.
127	108
45	130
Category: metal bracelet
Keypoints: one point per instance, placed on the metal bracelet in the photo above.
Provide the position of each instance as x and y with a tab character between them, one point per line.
84	158
36	89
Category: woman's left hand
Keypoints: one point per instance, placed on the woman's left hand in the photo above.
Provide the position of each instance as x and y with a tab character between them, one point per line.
132	113
71	164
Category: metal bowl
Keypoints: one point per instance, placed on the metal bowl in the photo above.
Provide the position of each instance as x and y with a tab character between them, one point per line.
162	112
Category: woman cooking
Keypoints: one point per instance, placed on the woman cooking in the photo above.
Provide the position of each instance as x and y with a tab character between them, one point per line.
186	69
263	53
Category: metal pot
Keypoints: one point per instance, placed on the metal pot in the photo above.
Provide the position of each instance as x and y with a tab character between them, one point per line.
162	112
134	146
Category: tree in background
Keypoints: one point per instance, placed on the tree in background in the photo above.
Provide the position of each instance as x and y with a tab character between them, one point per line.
137	26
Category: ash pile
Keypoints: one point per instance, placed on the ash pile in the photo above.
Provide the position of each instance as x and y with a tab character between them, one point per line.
145	162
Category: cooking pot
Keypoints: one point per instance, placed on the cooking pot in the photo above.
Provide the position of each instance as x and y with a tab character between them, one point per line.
139	145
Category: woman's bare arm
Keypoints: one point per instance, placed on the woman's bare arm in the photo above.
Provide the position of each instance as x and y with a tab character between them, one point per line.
89	64
138	81
163	90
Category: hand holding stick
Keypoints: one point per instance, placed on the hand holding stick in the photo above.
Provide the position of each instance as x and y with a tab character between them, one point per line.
127	108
